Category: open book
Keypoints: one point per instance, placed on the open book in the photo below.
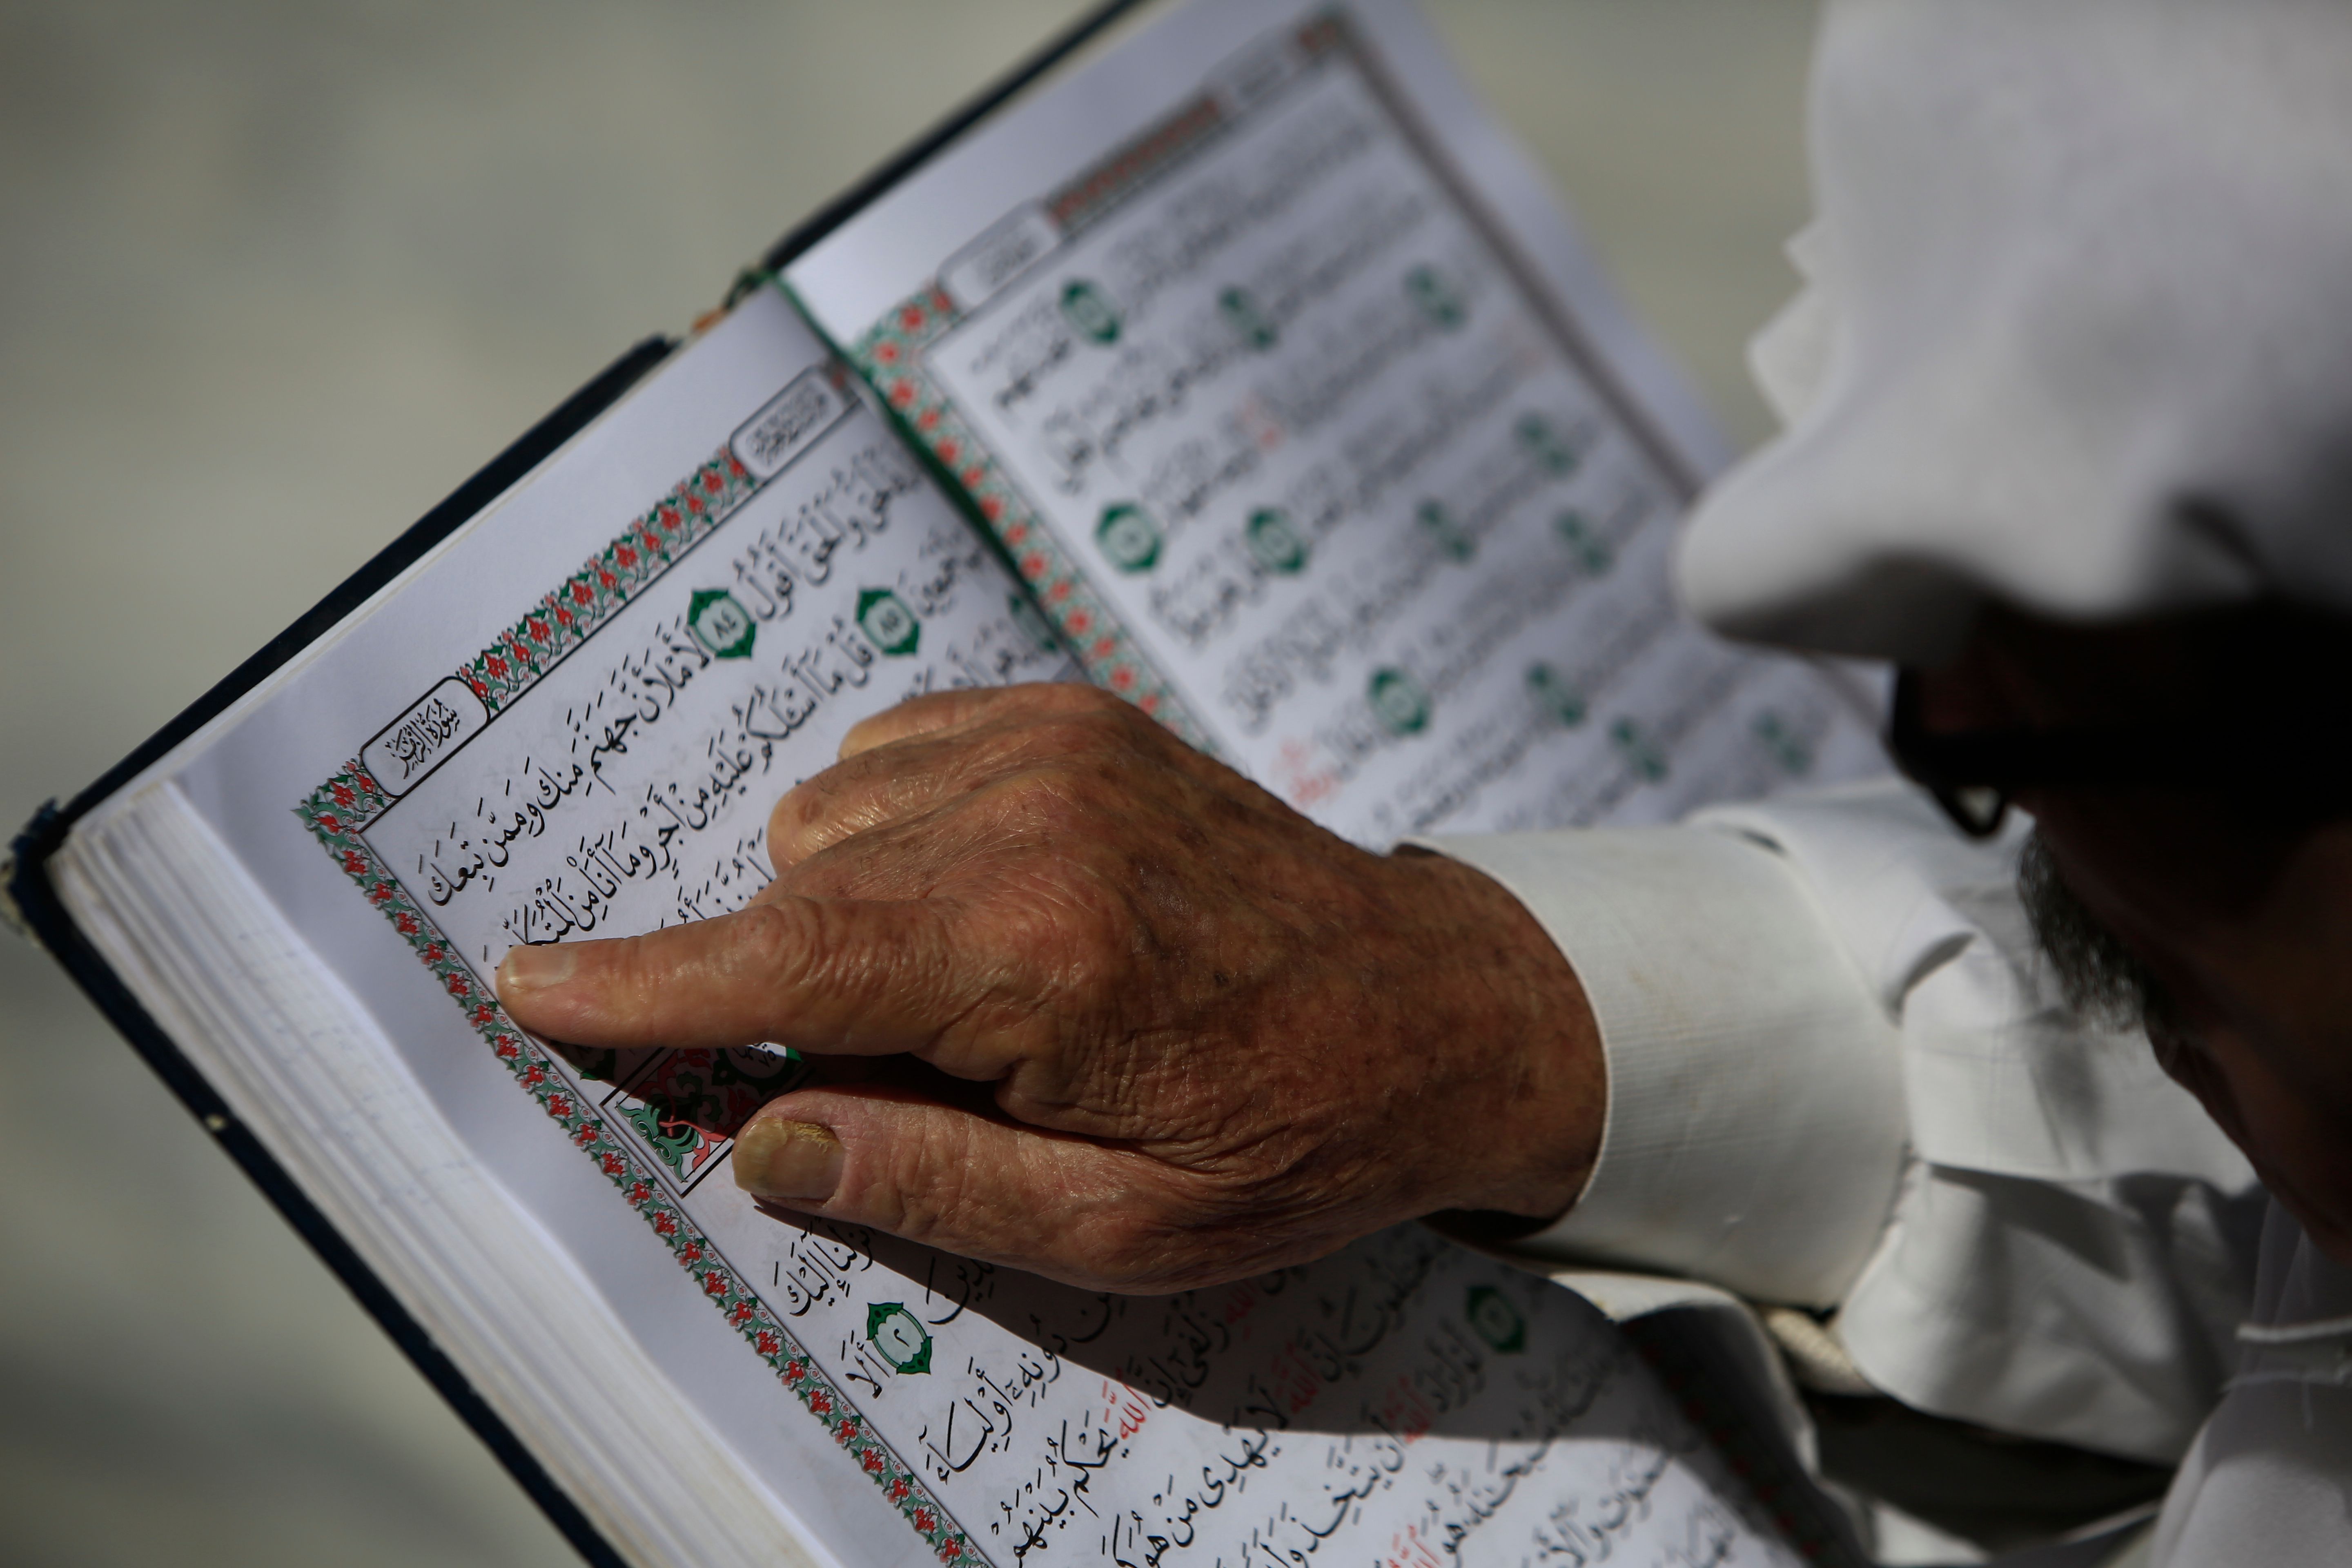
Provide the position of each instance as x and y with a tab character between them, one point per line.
1237	364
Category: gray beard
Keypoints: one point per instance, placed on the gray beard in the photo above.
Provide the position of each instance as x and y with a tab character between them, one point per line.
2097	974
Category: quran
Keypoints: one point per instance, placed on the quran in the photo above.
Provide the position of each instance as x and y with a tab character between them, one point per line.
1228	357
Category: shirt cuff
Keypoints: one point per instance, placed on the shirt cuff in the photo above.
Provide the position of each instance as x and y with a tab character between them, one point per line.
1756	1129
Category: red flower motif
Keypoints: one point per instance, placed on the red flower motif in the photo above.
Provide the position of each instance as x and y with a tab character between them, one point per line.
1103	645
948	450
902	393
559	1105
900	1488
639	1193
951	1551
795	1371
991	508
433	953
694	505
582	593
328	822
691	1252
342	795
1032	566
480	690
910	318
497	666
586	1135
845	1434
653	545
533	1076
624	555
1079	623
1149	702
506	1049
406	923
887	354
741	1314
1058	591
457	987
538	629
734	468
666	1223
872	1460
972	476
714	1284
562	617
484	1013
765	1343
668	515
930	421
820	1403
365	782
605	577
353	863
711	481
614	1164
381	894
926	1521
1122	678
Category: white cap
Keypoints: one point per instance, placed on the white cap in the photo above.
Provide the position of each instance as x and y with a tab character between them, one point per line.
2077	334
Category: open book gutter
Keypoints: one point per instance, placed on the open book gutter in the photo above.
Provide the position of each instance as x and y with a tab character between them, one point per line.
1241	367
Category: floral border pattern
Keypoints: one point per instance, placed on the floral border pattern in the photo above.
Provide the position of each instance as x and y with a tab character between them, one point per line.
341	809
564	616
890	354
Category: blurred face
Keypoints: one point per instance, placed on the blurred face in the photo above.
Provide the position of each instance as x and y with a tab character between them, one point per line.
2222	914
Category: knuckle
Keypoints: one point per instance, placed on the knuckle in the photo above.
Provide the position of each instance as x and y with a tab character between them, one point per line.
768	938
926	1193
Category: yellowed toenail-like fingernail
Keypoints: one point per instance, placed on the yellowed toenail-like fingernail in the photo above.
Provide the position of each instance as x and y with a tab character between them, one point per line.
779	1159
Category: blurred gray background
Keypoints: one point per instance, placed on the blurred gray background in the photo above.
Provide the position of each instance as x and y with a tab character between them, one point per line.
275	277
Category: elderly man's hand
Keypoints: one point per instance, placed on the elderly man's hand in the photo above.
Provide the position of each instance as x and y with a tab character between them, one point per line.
1175	1033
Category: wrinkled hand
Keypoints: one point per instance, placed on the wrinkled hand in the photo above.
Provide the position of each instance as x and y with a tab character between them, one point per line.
1165	1031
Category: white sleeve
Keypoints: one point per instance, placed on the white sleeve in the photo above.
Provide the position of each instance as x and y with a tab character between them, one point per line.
1755	1126
1840	1078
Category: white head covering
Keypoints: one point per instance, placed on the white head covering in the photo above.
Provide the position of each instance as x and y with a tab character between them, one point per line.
2077	334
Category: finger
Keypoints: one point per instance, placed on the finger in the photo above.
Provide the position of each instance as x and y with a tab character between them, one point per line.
947	711
922	752
877	787
927	854
824	976
1081	1212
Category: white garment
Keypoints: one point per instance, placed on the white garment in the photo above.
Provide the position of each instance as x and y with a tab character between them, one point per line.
1839	1078
2077	339
2270	1477
2077	332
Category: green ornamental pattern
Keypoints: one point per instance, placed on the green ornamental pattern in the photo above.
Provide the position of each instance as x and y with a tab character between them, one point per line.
340	810
891	356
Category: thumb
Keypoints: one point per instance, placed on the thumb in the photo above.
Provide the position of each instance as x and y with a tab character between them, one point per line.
1048	1202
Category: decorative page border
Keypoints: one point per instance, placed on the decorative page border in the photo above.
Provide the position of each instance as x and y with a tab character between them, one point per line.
341	809
891	356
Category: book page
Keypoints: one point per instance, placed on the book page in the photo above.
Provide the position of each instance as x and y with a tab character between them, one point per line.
571	721
1236	341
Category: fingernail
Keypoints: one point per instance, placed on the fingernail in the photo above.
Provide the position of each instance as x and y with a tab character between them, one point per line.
779	1159
526	968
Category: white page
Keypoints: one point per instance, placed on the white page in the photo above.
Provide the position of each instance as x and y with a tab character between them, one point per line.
1296	402
1405	1401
